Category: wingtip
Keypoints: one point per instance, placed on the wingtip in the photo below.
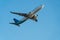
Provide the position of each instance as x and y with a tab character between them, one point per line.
11	12
43	6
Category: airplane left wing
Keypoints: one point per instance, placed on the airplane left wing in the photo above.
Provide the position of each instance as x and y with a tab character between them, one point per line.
20	14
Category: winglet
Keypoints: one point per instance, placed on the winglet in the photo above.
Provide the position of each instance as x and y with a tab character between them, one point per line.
43	6
11	12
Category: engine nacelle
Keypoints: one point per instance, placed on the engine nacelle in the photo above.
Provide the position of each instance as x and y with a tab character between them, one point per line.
34	18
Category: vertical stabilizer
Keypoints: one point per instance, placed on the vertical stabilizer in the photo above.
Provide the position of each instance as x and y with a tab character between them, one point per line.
15	20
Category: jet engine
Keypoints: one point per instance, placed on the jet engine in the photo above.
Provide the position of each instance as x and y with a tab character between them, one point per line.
34	17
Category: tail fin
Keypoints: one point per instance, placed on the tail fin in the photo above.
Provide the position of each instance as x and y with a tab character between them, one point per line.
15	20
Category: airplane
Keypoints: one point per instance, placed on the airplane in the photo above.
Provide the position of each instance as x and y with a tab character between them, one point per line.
31	15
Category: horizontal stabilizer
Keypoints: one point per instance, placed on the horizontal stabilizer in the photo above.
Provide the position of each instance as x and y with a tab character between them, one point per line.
15	24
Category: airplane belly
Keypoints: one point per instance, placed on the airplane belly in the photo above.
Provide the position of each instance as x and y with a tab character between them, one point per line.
30	15
24	19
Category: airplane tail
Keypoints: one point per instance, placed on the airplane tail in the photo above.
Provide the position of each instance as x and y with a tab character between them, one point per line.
16	22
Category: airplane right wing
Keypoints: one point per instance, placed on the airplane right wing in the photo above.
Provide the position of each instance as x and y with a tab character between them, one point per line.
37	9
20	14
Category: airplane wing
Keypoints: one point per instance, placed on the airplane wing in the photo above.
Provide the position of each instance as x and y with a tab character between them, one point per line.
37	9
20	14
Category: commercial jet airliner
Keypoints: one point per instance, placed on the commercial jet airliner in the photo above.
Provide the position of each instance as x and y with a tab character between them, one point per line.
31	15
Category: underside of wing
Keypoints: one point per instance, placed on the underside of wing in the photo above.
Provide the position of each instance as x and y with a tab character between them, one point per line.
20	14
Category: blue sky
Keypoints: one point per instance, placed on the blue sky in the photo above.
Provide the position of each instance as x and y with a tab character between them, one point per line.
47	27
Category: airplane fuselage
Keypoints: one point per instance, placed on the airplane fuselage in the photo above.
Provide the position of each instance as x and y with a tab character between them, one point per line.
30	15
